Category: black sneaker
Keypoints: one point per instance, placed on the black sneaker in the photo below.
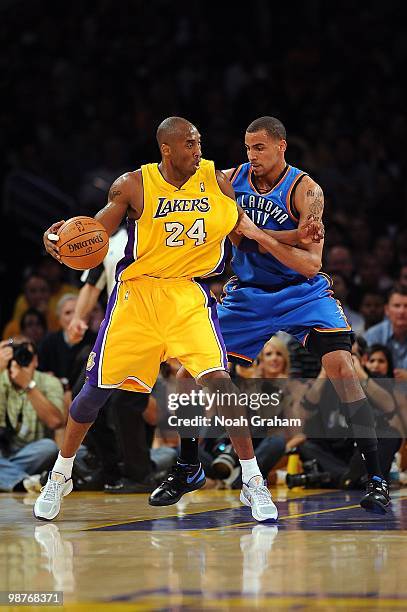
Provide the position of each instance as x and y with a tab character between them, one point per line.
377	497
183	478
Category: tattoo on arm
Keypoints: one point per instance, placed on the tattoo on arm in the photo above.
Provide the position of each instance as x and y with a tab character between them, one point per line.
317	204
113	193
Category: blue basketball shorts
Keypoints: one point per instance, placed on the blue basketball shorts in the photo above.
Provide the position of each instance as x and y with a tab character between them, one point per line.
249	316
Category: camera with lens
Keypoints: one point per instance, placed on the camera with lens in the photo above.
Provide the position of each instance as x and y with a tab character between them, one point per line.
310	478
21	354
226	460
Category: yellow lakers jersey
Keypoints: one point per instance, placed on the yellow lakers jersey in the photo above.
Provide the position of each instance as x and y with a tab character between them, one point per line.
181	232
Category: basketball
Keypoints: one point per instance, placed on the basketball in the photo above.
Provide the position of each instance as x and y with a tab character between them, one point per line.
83	243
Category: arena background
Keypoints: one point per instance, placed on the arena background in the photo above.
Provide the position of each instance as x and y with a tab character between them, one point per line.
84	86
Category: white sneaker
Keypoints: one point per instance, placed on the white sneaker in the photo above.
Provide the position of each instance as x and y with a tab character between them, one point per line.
257	496
32	483
48	504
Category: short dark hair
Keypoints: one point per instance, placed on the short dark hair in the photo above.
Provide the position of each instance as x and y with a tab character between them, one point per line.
397	288
271	125
170	127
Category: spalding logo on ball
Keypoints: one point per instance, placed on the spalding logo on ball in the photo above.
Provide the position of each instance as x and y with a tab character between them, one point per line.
83	243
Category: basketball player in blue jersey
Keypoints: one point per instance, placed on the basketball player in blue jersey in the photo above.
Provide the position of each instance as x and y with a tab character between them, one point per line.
282	288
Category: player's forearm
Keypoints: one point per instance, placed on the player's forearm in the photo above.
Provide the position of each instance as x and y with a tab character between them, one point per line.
289	237
299	260
87	300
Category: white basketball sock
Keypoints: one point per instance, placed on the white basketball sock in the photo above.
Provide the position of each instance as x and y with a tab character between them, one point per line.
249	469
63	465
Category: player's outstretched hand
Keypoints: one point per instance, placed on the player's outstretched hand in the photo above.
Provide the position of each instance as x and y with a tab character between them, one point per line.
311	231
50	238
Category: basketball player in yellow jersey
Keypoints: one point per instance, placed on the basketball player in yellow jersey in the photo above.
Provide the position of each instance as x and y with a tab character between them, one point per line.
180	212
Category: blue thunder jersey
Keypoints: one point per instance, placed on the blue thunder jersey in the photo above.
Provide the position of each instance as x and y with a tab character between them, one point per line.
272	211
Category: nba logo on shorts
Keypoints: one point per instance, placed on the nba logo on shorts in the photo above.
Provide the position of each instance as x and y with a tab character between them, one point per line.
202	186
91	361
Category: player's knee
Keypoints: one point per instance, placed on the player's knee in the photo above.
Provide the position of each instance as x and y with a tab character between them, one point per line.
338	364
87	404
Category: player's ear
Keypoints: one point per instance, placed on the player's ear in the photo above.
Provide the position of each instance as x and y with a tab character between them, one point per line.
283	146
165	150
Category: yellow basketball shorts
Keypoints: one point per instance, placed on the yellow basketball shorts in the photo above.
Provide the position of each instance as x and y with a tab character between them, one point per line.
149	320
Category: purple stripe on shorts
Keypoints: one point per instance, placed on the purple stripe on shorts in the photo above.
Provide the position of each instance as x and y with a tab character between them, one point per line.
211	302
93	362
129	250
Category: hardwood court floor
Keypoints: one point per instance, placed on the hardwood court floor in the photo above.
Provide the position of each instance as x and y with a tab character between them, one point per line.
116	553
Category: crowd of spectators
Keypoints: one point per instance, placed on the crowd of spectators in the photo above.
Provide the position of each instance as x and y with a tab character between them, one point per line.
83	95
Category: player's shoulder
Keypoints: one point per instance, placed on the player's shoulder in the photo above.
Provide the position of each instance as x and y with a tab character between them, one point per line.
129	179
238	170
308	183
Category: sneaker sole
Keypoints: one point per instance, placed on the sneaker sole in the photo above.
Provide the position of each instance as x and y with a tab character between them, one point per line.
246	502
171	502
51	518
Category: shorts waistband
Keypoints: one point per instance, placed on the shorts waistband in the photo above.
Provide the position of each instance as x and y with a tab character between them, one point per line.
159	282
273	288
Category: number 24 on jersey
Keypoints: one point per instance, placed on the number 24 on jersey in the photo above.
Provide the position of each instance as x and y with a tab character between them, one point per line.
196	232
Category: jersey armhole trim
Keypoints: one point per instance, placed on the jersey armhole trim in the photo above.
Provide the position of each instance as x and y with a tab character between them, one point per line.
292	211
235	173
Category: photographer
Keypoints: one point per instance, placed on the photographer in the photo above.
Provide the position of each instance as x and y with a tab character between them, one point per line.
31	405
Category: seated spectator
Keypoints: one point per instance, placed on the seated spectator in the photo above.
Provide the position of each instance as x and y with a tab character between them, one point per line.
372	309
31	407
37	294
55	353
392	332
33	325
